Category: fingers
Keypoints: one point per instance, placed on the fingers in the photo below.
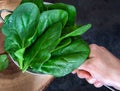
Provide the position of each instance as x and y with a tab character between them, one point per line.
88	77
74	71
98	84
91	80
95	82
83	74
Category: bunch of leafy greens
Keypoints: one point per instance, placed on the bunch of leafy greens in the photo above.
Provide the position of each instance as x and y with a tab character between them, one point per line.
43	38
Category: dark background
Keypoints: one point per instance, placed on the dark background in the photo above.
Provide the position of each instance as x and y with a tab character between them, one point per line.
104	15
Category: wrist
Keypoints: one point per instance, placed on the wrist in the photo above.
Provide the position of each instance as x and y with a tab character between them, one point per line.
115	76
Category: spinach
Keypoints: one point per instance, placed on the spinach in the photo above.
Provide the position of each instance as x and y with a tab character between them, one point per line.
64	60
44	38
68	8
19	29
63	43
46	19
41	50
39	3
3	62
79	31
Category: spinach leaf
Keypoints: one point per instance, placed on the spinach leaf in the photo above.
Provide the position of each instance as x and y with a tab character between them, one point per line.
44	45
79	31
35	58
39	3
19	29
76	46
65	60
3	62
47	18
63	43
70	9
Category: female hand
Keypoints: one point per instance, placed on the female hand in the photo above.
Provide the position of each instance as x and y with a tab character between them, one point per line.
102	68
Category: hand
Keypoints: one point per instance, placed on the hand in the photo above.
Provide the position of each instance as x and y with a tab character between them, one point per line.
102	68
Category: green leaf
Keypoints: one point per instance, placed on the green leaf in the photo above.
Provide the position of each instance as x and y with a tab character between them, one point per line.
39	3
33	59
19	54
70	9
65	60
63	43
45	44
3	62
76	45
19	28
48	18
79	31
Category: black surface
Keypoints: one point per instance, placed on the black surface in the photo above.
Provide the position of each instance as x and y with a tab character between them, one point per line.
104	15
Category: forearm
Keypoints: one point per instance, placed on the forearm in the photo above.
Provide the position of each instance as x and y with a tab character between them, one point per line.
116	76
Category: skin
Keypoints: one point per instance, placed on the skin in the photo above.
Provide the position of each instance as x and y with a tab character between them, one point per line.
101	68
